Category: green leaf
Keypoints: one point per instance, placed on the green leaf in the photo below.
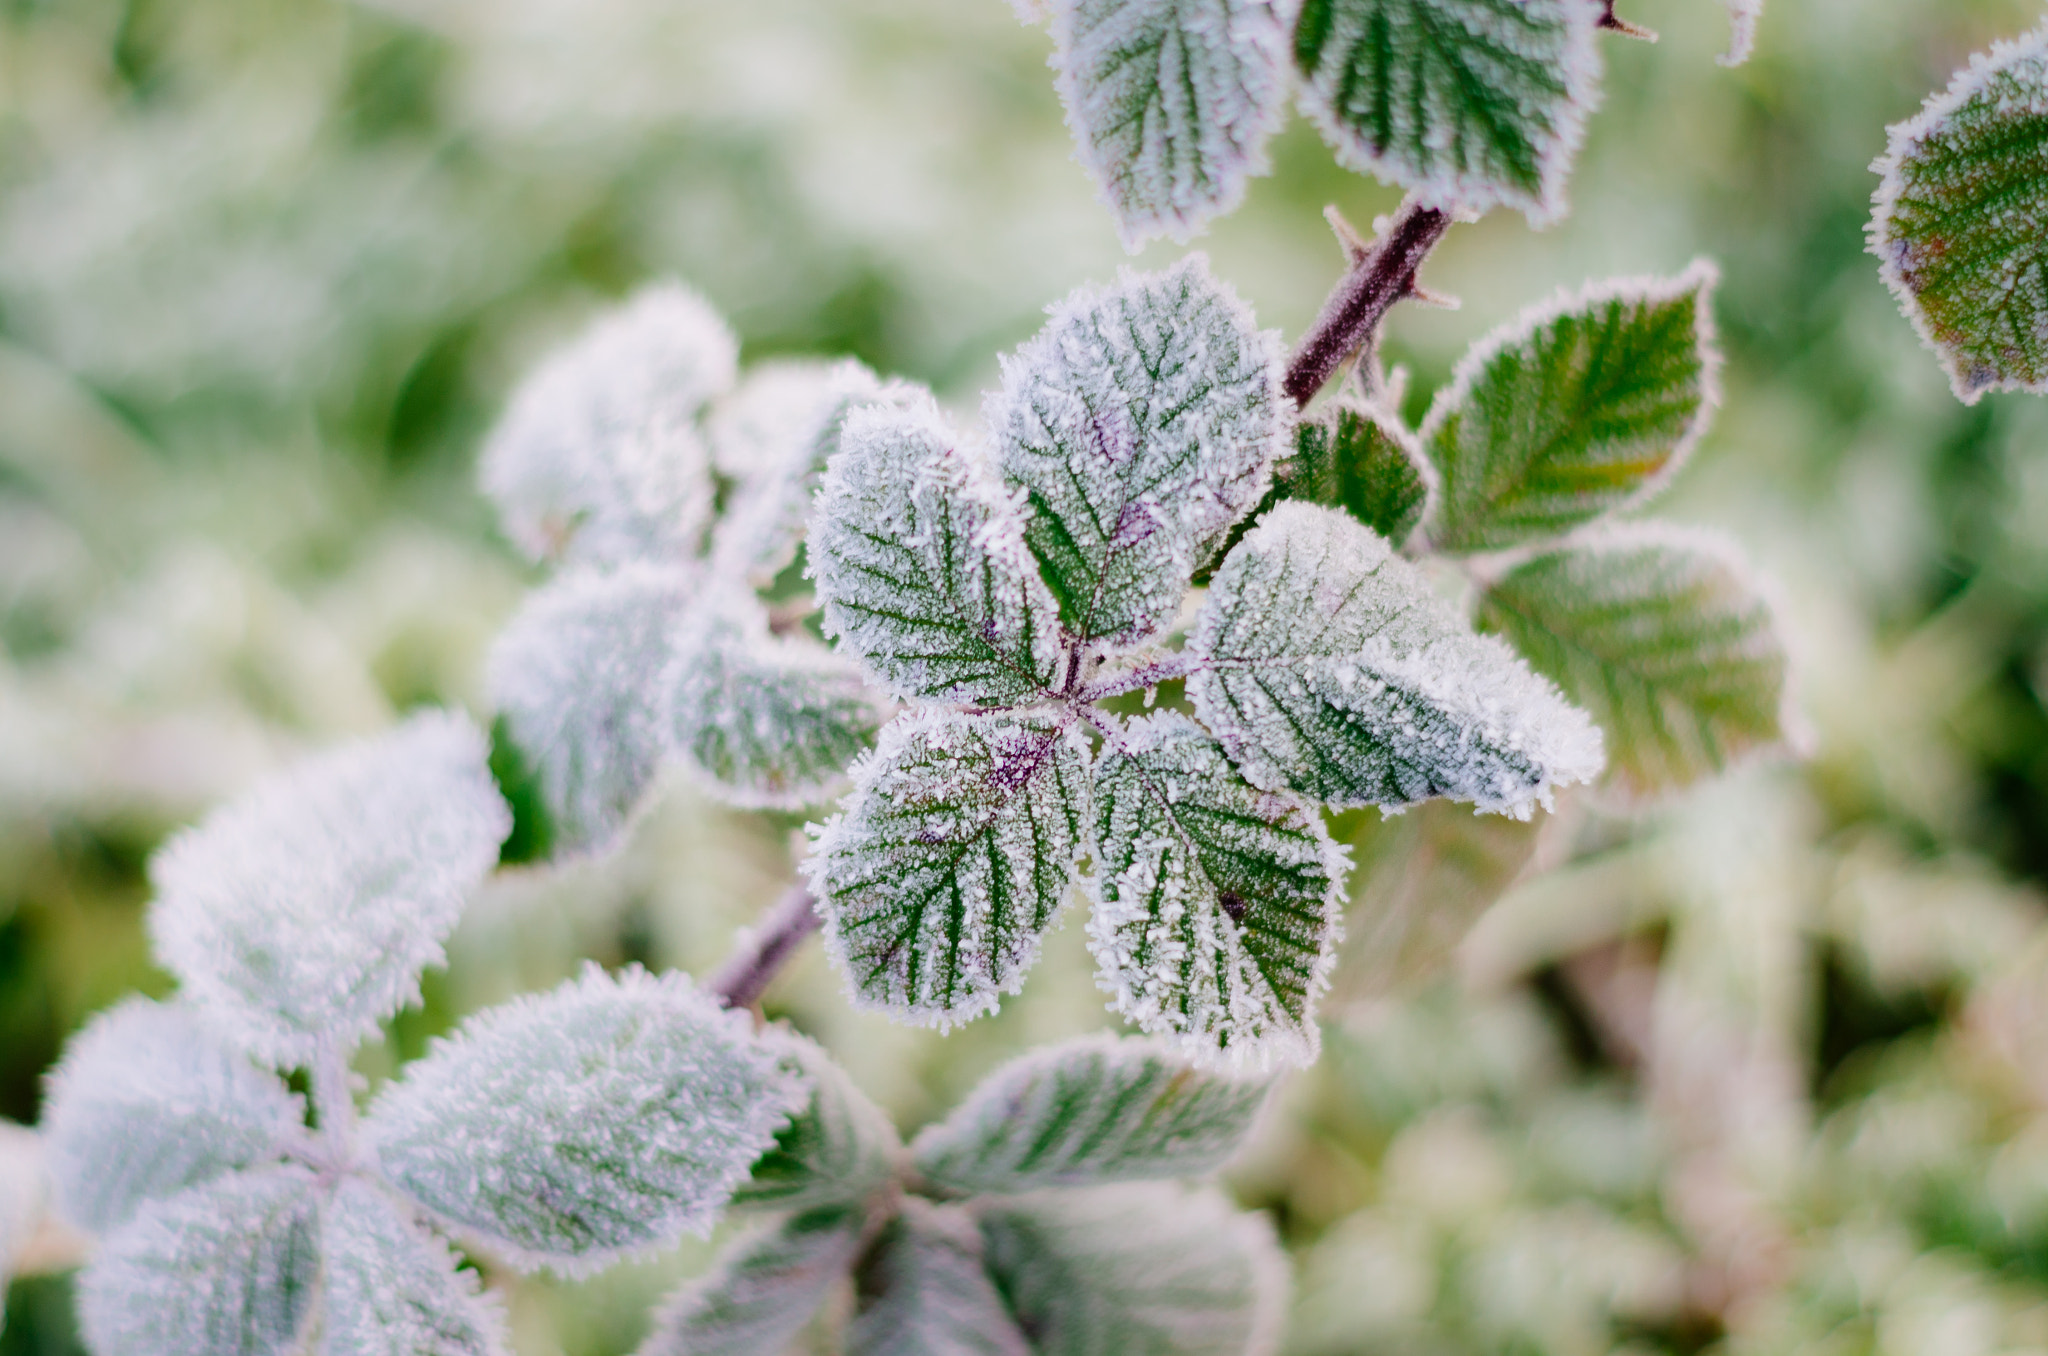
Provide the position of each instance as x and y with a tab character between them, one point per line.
1469	103
1171	102
922	1291
1957	221
1577	408
1087	1112
1327	665
1362	461
1144	1270
764	1292
841	1148
951	858
392	1290
1665	637
1218	904
920	562
1141	422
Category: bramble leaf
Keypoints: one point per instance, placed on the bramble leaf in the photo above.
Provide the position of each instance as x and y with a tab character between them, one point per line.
1328	666
1359	460
765	1291
1171	103
577	678
1576	408
1957	220
920	562
1218	904
1150	1269
306	909
1469	103
951	858
1664	637
599	458
392	1290
612	1114
922	1291
1087	1112
1142	421
223	1269
839	1149
147	1102
765	722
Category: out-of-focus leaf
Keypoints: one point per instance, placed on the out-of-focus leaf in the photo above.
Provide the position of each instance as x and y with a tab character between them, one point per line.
923	1292
390	1290
839	1149
765	1290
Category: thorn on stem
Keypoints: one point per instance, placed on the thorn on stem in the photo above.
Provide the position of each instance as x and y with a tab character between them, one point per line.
1613	23
1355	245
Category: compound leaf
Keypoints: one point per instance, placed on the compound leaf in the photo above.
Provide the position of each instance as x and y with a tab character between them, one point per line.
1469	103
1577	408
1089	1111
1665	638
1171	102
920	562
613	1114
1957	223
392	1290
227	1268
765	1290
1363	462
952	856
1150	1269
1218	903
1328	666
838	1150
1142	422
147	1102
306	909
922	1291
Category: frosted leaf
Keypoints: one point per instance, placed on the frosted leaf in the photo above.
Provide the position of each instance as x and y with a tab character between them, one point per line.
1218	905
764	722
224	1269
1150	1269
1957	220
919	559
1362	461
1665	638
147	1102
392	1290
577	677
1142	421
923	1292
951	858
608	1116
1743	16
1089	1111
599	457
1328	666
1171	103
306	909
1576	408
840	1148
1469	103
765	1291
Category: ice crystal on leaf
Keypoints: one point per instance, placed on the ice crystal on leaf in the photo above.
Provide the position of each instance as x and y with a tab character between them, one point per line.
147	1102
608	1116
764	1292
599	458
1088	1112
1171	103
951	857
923	1289
390	1290
839	1149
1362	460
1142	422
1328	666
306	910
1219	904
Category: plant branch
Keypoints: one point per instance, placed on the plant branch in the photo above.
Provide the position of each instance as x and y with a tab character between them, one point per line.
1151	673
763	950
333	1102
1381	274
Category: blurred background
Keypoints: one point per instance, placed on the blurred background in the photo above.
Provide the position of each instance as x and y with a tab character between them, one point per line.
1763	1069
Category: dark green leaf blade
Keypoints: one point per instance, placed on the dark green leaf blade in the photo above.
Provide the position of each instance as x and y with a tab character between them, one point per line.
1362	461
764	1292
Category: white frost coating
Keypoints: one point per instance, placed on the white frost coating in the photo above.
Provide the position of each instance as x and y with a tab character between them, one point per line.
1218	906
765	1291
1171	103
1743	16
577	676
1090	1111
147	1102
838	1150
392	1290
952	856
599	458
24	1196
1151	1269
1141	422
920	561
224	1269
926	1292
607	1117
1327	665
306	909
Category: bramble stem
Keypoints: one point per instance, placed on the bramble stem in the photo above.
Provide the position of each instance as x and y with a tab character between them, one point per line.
742	980
333	1103
1149	674
1383	274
